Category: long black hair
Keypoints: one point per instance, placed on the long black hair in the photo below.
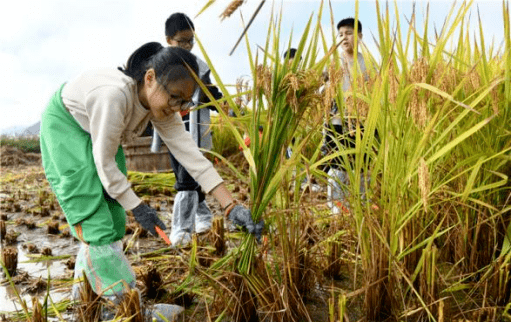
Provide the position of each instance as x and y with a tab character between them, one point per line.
169	63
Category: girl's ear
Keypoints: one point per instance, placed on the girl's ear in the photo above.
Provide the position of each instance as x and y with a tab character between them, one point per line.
150	76
169	39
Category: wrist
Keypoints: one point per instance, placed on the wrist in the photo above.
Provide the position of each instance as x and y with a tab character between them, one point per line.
137	208
227	209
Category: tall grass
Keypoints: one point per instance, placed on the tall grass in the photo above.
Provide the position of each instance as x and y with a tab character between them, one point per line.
433	233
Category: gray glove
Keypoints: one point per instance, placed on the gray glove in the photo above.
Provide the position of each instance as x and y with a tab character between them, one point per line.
259	230
241	216
147	218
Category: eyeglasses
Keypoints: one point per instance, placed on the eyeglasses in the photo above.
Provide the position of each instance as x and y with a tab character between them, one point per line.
184	42
175	100
183	105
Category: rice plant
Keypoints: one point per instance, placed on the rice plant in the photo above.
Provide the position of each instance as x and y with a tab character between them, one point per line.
441	169
433	231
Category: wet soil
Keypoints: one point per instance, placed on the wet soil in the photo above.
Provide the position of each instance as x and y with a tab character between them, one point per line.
37	229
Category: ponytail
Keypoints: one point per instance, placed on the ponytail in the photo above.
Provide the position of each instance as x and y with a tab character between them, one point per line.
136	65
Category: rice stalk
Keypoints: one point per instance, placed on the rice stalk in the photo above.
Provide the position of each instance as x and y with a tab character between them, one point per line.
424	182
90	306
37	311
3	230
130	306
217	229
429	280
10	260
152	281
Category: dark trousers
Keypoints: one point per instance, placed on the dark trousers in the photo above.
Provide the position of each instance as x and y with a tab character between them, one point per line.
184	181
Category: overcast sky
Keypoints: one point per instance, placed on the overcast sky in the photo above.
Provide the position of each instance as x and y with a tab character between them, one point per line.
44	43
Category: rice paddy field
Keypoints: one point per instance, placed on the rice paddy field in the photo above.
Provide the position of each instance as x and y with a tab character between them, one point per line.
429	241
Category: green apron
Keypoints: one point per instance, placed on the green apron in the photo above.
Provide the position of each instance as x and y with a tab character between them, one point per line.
94	217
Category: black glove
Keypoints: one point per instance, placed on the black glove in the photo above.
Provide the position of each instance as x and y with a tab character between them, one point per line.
147	218
241	216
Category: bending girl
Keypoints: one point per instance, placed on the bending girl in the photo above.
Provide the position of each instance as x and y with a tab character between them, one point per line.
82	130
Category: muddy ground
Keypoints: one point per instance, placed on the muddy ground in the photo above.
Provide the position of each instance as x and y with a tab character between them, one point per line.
37	229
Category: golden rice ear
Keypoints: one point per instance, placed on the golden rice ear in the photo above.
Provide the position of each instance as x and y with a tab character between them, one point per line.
231	8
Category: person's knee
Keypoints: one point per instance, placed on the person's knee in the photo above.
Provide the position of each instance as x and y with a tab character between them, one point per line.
99	229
